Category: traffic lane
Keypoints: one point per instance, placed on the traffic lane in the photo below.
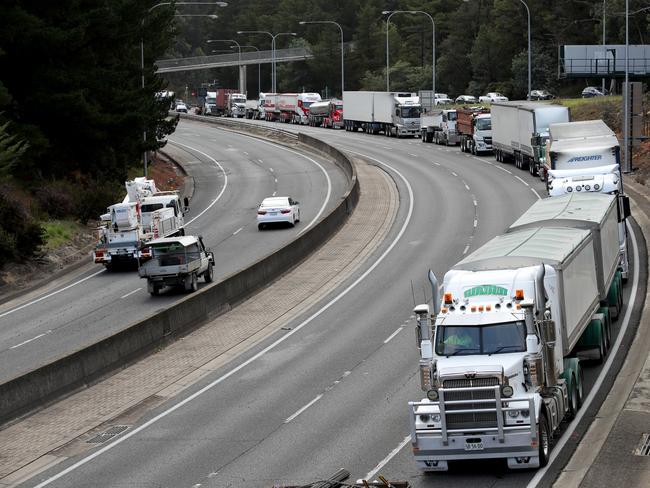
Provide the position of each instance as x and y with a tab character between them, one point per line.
111	301
341	338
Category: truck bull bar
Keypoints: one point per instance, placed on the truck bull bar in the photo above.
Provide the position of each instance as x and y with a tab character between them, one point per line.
497	405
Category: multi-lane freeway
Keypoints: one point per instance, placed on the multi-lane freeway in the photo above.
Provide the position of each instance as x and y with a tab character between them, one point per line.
231	175
334	393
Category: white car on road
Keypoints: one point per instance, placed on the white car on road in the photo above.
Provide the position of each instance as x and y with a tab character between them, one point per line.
275	210
492	97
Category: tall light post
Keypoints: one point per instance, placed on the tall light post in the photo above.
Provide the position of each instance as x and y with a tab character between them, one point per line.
241	88
259	84
603	80
272	44
529	51
161	4
275	73
433	46
626	128
342	46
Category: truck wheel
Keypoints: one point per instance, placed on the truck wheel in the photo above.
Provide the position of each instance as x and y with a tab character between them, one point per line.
544	440
192	284
208	276
602	345
573	398
473	146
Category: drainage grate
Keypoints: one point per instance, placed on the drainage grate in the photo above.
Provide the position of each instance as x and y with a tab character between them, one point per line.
108	435
643	448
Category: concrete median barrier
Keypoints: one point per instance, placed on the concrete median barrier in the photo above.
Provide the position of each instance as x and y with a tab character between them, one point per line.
90	364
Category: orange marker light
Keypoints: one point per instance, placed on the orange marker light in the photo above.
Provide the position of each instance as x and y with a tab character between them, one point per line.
473	309
448	298
443	310
519	294
518	307
480	308
488	307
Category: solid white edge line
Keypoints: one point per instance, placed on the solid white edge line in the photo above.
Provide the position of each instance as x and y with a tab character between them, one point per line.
521	180
387	459
535	192
301	410
225	178
254	358
131	293
603	373
390	337
25	305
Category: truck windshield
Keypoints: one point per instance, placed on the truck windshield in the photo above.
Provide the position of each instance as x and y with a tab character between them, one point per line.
151	207
211	100
239	100
462	340
410	112
483	124
452	116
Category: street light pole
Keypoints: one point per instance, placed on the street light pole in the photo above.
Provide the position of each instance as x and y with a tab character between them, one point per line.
161	4
342	46
275	73
433	46
239	51
603	81
626	128
272	51
259	84
529	51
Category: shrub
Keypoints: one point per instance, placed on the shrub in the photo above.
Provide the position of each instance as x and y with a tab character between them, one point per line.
20	234
56	199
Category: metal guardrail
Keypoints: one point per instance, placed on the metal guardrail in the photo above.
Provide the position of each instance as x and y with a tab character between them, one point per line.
580	68
237	124
221	60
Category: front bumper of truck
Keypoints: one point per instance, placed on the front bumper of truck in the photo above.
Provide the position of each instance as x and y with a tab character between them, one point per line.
489	438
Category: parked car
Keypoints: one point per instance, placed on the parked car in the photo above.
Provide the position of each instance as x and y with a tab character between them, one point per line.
177	261
278	210
180	106
592	91
466	99
442	99
541	95
492	97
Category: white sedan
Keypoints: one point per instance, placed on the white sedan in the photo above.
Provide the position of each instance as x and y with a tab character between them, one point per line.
278	210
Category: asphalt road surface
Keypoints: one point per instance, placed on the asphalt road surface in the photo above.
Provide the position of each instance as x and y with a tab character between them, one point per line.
232	174
334	394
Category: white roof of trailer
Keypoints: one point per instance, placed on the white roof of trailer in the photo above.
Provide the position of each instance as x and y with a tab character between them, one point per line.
182	240
588	207
527	247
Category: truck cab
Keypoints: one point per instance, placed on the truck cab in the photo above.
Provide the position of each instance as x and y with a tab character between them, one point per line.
406	115
482	133
236	105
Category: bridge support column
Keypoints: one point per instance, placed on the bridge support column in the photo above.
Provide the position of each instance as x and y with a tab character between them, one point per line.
242	79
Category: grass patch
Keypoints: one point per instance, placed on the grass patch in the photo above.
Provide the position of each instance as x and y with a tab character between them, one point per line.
59	232
592	102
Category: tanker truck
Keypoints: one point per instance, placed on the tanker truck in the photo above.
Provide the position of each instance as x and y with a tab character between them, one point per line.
327	113
501	364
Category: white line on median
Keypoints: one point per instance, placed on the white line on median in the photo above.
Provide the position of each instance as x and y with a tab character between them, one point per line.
535	192
30	340
521	180
400	329
254	358
237	231
466	187
225	178
271	170
50	294
131	293
385	461
289	419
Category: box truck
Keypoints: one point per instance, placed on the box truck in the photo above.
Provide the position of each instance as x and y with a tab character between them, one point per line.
393	113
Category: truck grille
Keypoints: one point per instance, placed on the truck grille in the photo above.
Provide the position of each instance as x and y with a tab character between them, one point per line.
487	140
477	420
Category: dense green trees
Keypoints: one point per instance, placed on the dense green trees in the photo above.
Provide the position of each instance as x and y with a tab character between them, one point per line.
480	44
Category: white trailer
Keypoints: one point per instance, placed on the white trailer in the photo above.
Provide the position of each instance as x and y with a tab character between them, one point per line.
430	123
294	107
520	130
393	113
500	366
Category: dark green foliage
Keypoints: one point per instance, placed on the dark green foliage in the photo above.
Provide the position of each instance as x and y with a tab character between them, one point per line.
480	44
20	234
56	199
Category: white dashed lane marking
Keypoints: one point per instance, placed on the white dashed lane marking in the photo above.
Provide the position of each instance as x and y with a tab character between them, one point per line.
131	293
400	329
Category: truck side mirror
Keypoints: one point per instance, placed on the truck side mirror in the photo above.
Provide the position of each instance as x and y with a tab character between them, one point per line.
624	208
186	204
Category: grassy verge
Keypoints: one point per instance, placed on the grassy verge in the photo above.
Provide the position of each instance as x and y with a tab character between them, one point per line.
59	233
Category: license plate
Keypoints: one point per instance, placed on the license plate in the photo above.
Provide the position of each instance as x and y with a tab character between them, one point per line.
273	213
473	446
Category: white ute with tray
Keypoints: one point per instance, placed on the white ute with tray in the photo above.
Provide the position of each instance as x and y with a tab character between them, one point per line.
177	261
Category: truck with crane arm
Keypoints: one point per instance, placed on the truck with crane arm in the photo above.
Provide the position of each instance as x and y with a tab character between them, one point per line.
500	357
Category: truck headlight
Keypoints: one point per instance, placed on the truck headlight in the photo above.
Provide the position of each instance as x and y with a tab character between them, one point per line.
507	391
525	413
513	413
433	395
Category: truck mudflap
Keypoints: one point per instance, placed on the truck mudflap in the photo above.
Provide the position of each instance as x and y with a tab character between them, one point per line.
435	444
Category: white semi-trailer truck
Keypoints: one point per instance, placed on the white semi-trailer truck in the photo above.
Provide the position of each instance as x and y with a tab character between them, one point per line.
520	131
393	113
585	157
500	364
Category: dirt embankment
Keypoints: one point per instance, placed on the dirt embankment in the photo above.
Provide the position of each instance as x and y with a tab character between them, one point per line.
20	276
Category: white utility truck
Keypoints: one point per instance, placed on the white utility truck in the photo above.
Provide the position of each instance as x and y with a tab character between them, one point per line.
144	214
585	157
520	131
500	364
393	113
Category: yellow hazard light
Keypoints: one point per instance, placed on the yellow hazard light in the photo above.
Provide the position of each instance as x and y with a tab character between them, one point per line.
519	294
480	308
488	307
448	298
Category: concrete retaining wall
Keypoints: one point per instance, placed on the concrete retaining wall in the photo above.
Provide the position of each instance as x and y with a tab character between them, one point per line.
45	384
